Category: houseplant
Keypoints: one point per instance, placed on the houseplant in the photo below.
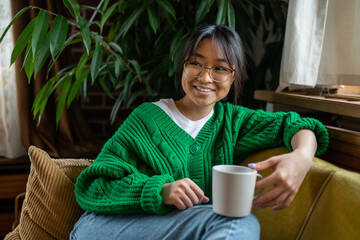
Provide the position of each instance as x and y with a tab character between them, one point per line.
136	56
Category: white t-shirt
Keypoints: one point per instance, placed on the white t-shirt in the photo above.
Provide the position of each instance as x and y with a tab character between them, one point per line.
189	126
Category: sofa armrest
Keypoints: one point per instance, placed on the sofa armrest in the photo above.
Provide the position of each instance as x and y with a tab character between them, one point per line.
19	199
289	223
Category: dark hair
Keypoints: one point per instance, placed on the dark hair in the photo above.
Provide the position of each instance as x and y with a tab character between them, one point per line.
230	46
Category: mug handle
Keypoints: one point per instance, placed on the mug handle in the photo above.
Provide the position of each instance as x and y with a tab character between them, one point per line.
259	192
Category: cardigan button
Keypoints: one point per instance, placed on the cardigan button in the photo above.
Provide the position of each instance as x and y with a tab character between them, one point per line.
195	148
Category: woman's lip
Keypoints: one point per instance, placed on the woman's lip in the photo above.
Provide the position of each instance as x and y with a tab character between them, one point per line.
204	87
203	92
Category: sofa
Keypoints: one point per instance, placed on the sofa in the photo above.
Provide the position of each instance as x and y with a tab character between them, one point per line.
327	205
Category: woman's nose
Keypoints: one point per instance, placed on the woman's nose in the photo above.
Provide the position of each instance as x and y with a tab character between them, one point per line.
205	76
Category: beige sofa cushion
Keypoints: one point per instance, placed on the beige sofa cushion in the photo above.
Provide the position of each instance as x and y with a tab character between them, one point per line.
50	209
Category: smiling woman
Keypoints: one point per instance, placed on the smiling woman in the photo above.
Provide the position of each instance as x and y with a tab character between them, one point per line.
10	144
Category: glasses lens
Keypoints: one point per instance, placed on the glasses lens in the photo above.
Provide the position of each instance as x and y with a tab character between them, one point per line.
193	69
221	74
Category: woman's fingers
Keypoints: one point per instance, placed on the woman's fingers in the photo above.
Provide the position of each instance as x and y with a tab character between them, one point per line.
285	204
268	163
183	194
274	197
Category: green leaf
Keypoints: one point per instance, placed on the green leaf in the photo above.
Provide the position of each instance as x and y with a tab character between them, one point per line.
69	41
105	5
85	32
75	90
80	67
107	14
127	87
28	62
231	15
40	31
167	7
129	22
13	20
148	87
105	87
220	17
115	108
152	19
110	74
43	96
73	7
136	66
134	96
84	88
176	42
202	10
97	58
23	40
58	35
117	48
43	54
117	67
65	84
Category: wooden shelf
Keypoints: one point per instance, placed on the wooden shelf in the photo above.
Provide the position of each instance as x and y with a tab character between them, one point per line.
338	105
344	148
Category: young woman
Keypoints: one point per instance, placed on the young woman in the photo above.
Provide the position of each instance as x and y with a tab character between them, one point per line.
152	179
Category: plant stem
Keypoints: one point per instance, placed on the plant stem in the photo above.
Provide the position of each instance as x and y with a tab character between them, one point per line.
94	14
52	13
123	62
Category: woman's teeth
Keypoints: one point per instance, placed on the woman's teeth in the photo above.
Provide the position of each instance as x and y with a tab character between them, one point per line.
203	89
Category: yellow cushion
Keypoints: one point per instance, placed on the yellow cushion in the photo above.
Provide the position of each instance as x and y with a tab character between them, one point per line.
50	209
336	215
288	223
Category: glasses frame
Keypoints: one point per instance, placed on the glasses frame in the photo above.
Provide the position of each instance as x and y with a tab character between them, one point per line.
207	68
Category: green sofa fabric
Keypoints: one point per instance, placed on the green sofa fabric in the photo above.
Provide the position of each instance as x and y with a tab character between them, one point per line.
327	205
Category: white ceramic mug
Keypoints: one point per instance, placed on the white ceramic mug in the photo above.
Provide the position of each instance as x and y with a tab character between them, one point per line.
233	190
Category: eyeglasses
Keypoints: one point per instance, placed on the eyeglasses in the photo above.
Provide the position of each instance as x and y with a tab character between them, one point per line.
218	74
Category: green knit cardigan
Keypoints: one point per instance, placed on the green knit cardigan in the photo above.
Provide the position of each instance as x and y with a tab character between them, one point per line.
149	150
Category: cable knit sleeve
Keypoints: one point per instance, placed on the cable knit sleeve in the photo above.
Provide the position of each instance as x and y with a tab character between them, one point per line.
259	130
121	180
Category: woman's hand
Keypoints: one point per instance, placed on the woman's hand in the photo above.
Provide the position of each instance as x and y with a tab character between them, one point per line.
289	172
183	194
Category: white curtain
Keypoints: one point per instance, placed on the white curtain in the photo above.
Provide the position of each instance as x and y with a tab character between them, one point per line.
10	144
322	44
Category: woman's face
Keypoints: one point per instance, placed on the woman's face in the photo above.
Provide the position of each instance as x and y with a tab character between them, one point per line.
203	91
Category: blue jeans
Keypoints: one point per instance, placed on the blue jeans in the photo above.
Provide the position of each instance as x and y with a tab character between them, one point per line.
198	222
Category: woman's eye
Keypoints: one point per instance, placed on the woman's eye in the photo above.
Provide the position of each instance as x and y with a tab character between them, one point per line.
195	64
221	69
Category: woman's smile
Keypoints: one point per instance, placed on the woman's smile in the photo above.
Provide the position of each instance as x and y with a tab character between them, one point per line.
204	90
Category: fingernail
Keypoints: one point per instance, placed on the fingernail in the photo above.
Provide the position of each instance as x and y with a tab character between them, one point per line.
251	164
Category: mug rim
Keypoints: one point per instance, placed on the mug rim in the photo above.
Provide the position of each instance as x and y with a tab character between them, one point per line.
220	168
